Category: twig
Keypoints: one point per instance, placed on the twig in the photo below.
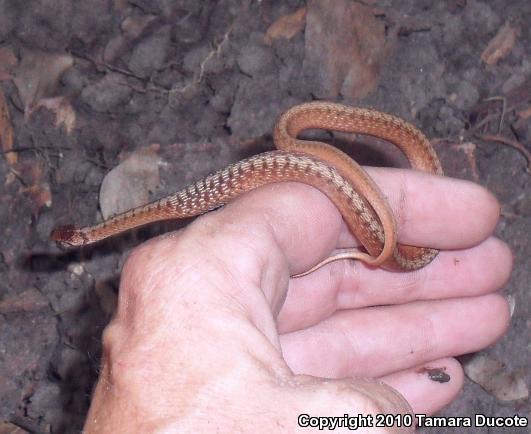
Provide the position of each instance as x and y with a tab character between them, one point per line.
199	76
18	176
509	142
108	66
504	108
473	130
35	148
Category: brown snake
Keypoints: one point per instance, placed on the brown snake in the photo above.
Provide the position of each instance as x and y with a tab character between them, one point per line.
361	203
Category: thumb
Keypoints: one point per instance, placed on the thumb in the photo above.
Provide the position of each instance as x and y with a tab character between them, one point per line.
361	404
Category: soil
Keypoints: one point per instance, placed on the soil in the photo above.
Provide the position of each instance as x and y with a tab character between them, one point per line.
201	84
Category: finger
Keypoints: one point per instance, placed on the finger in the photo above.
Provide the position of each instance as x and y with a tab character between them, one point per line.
381	340
346	284
362	399
306	225
287	226
426	206
428	388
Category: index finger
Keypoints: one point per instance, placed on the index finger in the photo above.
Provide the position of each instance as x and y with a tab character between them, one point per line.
291	226
430	210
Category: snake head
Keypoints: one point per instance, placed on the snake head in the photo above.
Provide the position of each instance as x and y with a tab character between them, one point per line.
68	236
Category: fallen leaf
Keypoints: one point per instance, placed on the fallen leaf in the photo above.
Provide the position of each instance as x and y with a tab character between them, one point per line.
64	113
286	27
6	132
501	45
9	428
8	61
347	60
40	195
132	28
38	190
525	113
492	376
38	74
128	185
469	149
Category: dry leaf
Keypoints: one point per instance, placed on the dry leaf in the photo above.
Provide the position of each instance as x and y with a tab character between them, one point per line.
36	188
500	45
40	195
492	376
64	113
347	60
9	428
128	185
286	27
8	60
6	131
132	28
38	74
525	113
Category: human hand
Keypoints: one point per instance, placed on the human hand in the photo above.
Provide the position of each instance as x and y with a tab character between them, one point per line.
212	335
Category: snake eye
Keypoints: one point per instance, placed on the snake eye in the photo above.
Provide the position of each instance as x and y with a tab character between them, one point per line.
65	236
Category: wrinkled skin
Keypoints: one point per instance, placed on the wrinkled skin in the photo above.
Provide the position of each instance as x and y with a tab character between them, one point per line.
211	334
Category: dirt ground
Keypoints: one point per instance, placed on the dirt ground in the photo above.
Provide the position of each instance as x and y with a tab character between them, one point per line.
188	86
